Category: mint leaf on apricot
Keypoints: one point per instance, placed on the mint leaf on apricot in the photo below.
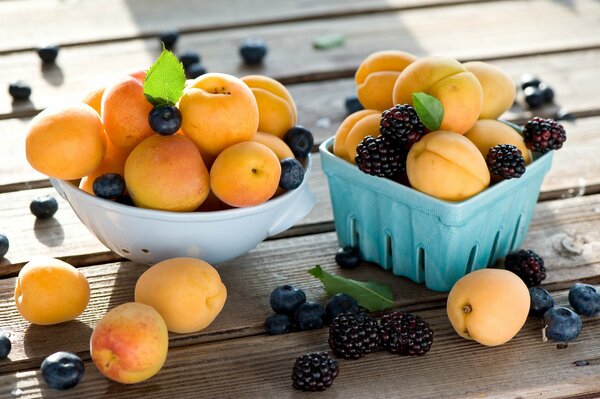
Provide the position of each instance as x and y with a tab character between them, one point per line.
165	80
429	109
369	294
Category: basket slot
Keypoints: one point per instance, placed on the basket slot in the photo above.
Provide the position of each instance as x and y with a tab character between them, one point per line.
420	264
353	232
492	259
388	255
515	236
471	261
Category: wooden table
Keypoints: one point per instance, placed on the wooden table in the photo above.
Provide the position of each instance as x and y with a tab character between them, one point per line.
101	40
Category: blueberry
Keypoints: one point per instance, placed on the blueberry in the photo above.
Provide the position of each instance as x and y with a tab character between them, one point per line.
48	53
125	200
253	50
533	97
278	324
62	370
340	303
165	119
348	258
285	299
109	186
541	301
44	207
309	316
195	70
292	174
547	92
3	245
188	58
300	140
528	80
585	299
19	90
169	38
353	104
562	324
5	346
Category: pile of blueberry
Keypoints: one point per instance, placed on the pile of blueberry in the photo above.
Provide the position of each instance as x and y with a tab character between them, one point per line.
562	324
535	92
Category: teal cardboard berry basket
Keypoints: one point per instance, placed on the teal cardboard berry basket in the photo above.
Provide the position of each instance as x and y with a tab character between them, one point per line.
423	238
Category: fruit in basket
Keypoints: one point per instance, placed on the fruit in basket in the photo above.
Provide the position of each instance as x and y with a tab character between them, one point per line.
353	335
402	124
113	162
505	161
277	145
561	324
376	76
62	370
276	108
165	119
309	316
585	299
245	174
528	265
314	371
448	166
499	89
339	144
232	108
487	133
66	142
167	173
541	301
285	299
449	81
340	303
367	126
130	342
109	186
187	292
125	112
94	99
380	157
278	324
405	334
50	291
43	207
544	135
489	306
300	140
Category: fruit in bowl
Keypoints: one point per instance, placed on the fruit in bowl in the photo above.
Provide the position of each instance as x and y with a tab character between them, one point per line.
153	154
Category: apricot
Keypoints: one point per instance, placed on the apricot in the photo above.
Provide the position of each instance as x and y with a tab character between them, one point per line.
499	90
367	126
218	110
376	76
245	174
277	145
339	142
125	112
187	292
113	162
66	142
449	81
167	173
489	306
50	291
130	343
276	108
448	166
94	99
487	133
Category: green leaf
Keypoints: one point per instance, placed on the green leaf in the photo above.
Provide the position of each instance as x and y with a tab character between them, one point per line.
369	294
429	109
326	42
165	80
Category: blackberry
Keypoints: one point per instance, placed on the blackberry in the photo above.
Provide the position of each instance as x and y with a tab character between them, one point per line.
528	265
544	135
315	371
402	124
353	335
405	334
380	157
506	161
19	90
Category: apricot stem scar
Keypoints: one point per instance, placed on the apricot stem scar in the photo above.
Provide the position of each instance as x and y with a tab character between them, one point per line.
467	309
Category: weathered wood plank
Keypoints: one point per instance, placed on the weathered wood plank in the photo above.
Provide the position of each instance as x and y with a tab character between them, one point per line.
261	366
250	279
109	20
418	31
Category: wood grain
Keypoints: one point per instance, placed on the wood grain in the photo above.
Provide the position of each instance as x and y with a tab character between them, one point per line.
292	57
261	366
249	280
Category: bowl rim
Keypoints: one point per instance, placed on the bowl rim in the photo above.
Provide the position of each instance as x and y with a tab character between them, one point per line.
145	213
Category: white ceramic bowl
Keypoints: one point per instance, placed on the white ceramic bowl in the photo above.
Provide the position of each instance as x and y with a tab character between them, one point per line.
149	236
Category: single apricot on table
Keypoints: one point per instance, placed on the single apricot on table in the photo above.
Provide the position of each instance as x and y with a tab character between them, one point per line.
66	142
130	343
187	292
50	291
245	174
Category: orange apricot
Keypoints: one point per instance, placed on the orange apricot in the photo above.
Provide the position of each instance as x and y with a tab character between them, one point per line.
339	142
